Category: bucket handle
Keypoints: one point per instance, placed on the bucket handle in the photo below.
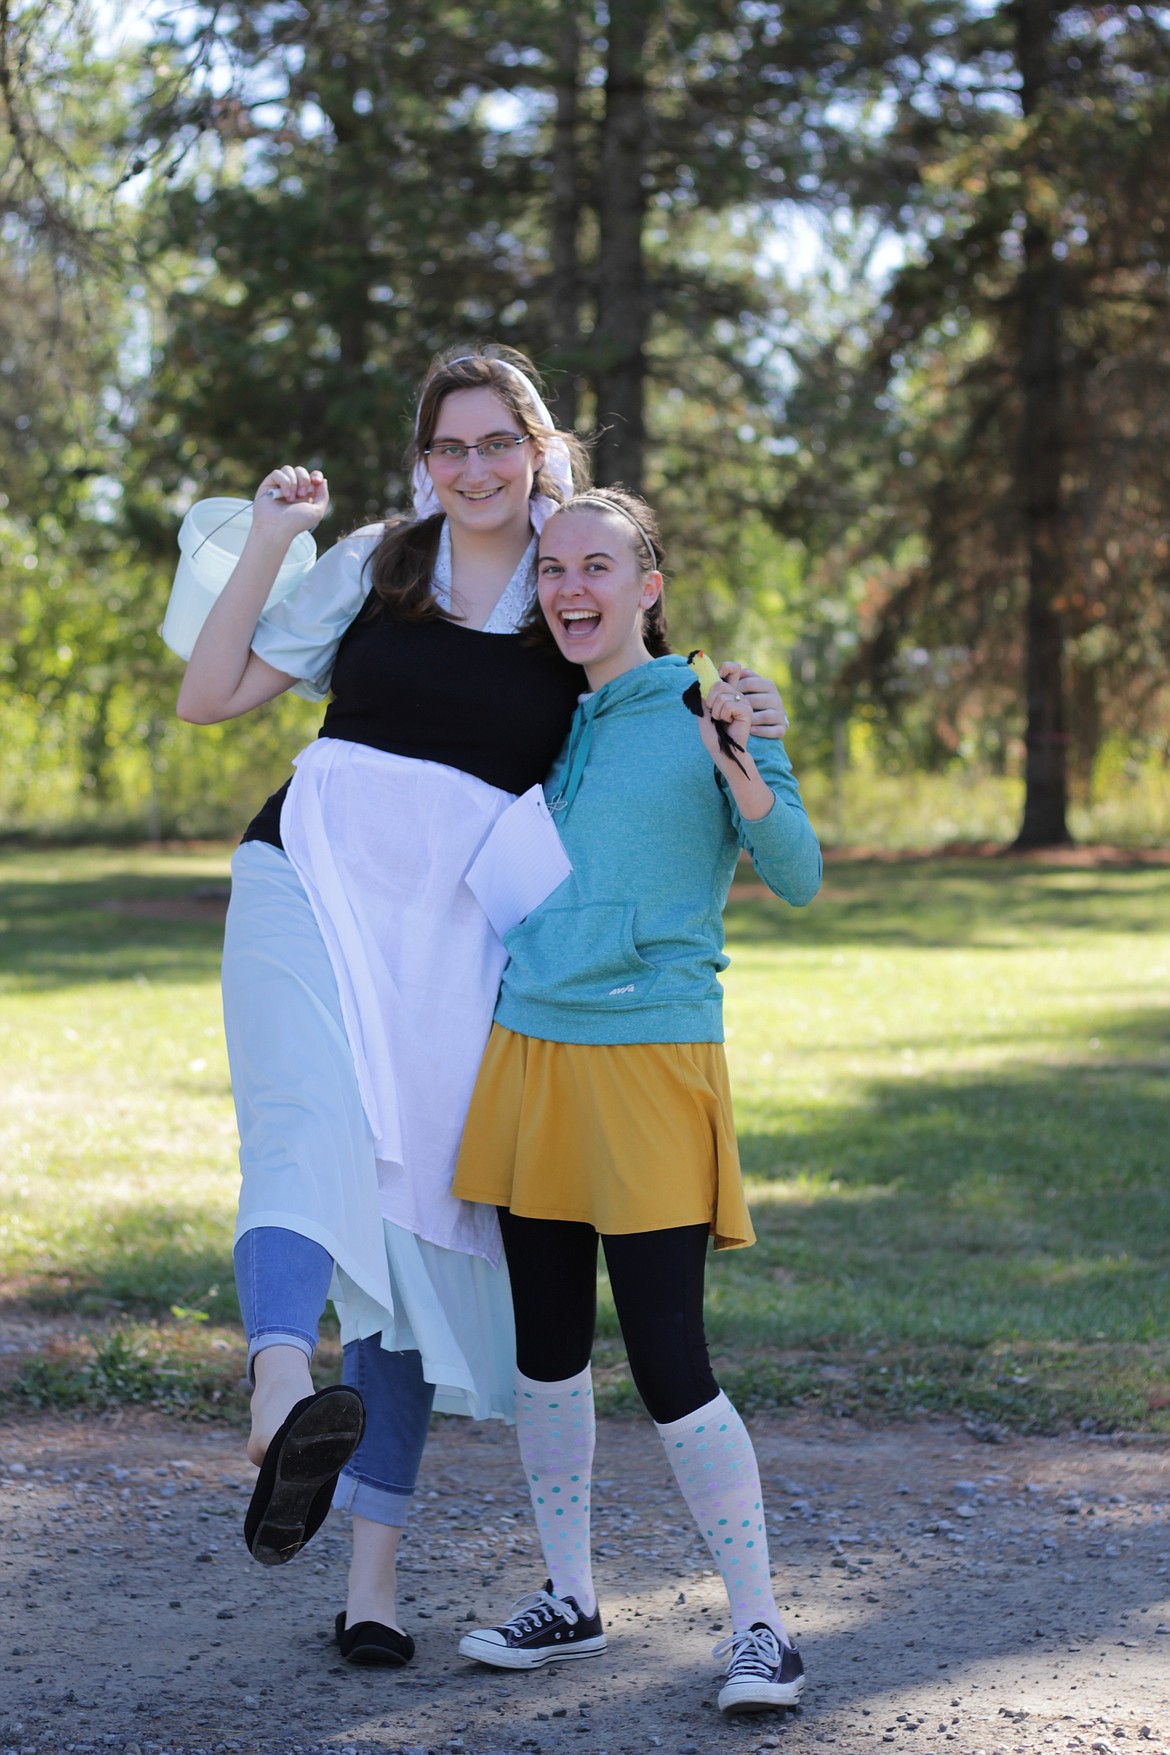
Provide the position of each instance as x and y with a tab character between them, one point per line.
270	495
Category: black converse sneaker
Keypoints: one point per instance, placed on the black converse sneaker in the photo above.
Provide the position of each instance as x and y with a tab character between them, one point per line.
541	1629
762	1673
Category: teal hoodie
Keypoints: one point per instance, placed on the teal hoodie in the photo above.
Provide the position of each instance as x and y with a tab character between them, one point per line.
629	947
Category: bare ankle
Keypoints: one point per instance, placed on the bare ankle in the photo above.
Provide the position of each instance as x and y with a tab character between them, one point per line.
373	1574
283	1379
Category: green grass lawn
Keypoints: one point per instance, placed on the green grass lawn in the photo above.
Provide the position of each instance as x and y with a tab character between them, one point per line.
951	1084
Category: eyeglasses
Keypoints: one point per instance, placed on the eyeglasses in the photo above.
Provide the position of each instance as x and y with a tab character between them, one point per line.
491	450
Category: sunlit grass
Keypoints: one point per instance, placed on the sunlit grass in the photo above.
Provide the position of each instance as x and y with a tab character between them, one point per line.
952	1099
951	1086
118	1147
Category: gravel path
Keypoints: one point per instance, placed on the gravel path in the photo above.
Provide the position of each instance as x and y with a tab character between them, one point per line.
951	1597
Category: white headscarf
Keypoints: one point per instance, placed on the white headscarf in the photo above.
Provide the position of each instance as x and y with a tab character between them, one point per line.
556	458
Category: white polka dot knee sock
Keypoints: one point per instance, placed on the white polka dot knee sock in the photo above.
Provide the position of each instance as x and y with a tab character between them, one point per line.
715	1467
555	1426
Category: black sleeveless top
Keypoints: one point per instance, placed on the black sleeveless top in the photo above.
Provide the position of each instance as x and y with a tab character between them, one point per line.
493	705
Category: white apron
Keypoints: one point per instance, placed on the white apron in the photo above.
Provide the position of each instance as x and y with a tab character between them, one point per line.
417	963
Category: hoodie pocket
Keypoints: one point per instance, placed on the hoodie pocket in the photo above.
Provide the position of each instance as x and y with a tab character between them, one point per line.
583	957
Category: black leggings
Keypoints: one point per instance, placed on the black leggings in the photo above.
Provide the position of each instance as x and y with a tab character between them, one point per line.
657	1281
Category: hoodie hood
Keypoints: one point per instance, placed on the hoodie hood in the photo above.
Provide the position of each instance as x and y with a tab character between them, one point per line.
642	689
628	948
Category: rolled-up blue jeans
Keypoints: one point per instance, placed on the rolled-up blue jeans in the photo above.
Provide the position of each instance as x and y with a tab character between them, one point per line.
283	1284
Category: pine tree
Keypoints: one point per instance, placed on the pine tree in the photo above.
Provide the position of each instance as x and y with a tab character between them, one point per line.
983	439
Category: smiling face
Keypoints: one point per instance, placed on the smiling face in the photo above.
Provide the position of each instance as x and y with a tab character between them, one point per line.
482	494
593	591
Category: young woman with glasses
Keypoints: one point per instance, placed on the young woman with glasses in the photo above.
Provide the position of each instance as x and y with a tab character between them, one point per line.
360	972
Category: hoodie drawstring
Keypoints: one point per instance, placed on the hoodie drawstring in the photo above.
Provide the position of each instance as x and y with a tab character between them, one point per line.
579	742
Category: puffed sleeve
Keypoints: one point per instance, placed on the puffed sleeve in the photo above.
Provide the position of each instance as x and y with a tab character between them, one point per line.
301	634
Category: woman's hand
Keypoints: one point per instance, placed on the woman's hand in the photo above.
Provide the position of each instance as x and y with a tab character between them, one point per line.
768	716
289	500
731	708
224	677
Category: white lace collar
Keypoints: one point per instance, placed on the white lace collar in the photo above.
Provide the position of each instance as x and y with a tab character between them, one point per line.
514	601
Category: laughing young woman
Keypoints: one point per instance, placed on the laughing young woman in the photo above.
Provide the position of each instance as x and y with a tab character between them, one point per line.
359	970
602	1108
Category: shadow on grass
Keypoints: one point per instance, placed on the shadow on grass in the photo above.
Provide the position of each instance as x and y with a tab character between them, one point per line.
140	1260
998	1246
944	1227
954	904
72	934
65	933
967	1209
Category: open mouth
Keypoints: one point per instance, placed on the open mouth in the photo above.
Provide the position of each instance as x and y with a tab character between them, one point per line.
479	495
578	624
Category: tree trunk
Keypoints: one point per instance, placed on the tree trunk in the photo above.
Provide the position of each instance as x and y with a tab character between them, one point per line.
331	410
619	341
565	291
1041	472
154	816
1085	731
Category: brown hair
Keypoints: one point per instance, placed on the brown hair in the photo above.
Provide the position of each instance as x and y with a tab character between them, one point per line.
402	566
631	511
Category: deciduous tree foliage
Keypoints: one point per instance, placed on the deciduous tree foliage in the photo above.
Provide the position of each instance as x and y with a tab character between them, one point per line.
72	627
967	458
87	729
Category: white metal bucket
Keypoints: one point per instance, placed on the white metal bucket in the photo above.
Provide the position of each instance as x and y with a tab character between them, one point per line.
211	540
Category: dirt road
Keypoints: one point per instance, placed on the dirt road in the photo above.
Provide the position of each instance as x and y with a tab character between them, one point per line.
949	1596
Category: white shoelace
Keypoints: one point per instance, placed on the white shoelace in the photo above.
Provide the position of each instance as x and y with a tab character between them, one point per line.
536	1610
754	1653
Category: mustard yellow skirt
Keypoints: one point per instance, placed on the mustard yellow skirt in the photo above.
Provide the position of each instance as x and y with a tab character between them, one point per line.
637	1137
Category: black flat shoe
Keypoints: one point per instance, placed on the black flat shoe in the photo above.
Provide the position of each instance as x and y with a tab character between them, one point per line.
371	1643
294	1488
